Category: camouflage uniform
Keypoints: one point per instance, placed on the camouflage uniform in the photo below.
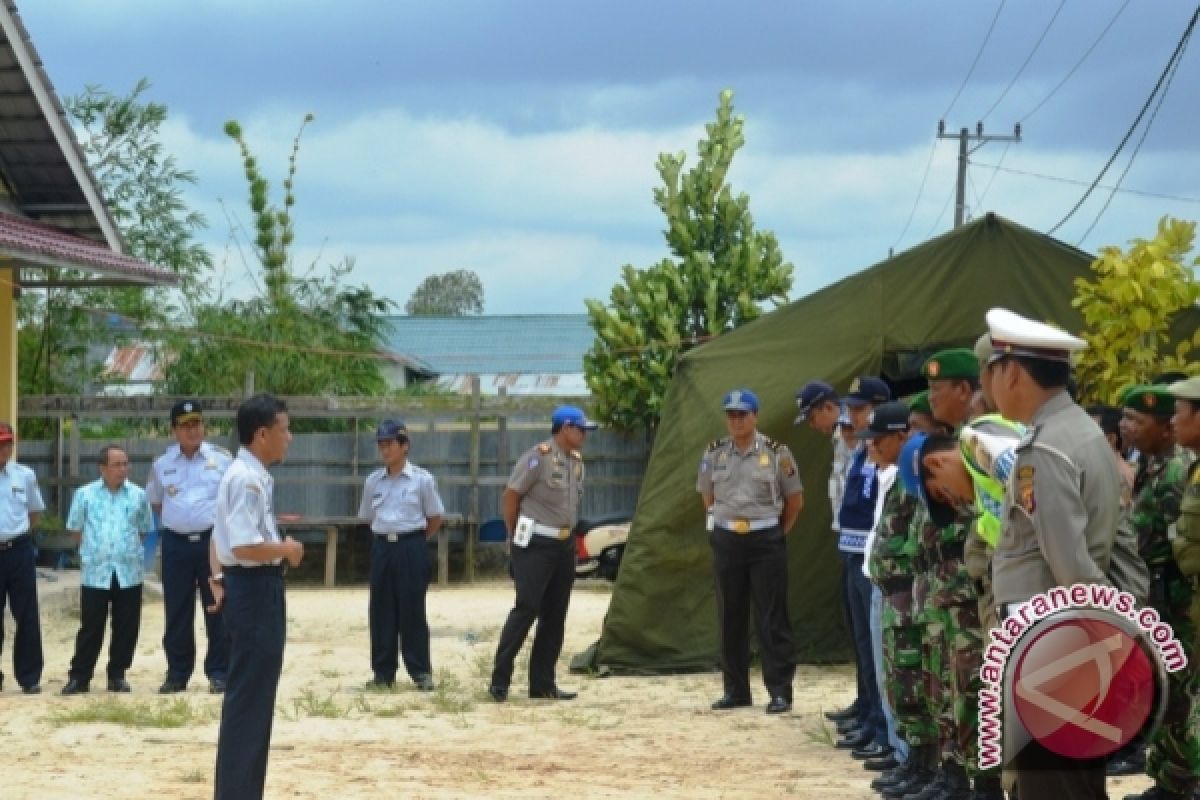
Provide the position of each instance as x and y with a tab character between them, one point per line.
1173	760
891	568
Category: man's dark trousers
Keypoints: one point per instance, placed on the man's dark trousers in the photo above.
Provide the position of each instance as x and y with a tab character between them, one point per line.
751	569
18	589
543	573
860	589
256	623
396	611
94	604
184	570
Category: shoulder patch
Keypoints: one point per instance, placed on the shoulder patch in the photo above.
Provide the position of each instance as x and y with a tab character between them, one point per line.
717	444
771	443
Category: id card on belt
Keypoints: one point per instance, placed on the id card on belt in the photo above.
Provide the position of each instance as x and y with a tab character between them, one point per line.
523	532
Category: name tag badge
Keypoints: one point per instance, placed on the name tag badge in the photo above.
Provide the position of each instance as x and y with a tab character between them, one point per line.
523	532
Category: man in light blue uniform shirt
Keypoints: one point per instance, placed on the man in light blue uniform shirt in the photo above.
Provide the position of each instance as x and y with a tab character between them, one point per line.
20	505
401	503
111	515
182	488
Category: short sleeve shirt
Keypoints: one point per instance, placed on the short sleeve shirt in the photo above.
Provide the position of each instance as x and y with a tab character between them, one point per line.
751	484
19	497
245	510
550	482
402	502
111	524
186	487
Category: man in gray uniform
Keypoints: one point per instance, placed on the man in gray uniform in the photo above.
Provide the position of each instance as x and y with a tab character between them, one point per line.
1060	513
752	493
540	507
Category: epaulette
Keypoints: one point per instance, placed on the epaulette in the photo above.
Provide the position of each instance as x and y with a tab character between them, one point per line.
717	444
543	448
771	443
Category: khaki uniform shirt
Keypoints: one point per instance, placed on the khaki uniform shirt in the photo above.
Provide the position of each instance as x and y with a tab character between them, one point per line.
750	484
1061	507
550	482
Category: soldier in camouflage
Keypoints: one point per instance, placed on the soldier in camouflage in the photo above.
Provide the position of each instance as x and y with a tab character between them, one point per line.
1173	760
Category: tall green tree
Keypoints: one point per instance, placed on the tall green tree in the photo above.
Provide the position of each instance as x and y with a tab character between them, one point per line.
143	187
451	294
720	272
1128	306
303	334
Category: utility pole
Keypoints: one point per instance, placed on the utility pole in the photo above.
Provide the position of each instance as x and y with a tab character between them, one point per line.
964	136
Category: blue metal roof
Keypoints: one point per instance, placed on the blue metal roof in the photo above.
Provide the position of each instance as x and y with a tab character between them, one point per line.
516	343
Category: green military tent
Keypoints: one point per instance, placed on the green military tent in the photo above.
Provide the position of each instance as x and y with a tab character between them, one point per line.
884	321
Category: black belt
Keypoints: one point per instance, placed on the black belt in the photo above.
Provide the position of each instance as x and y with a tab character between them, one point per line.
191	536
9	544
277	570
897	583
392	538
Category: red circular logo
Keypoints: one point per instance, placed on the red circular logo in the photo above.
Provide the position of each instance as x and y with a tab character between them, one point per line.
1084	687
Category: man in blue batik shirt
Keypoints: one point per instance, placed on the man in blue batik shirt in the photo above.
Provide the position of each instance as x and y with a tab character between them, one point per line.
111	515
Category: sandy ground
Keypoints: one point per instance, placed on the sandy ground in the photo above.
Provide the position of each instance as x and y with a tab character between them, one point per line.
623	736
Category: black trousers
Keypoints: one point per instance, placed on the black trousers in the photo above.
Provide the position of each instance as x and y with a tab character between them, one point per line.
94	604
543	573
18	589
396	611
185	571
1044	775
751	571
256	622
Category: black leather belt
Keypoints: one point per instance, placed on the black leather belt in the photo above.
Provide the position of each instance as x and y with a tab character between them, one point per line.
191	536
897	583
392	538
9	544
278	570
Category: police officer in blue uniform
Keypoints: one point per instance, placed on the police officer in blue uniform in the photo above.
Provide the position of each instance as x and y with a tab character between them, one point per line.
248	558
20	505
402	506
182	489
541	506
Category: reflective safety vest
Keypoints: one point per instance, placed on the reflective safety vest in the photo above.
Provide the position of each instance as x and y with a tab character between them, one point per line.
990	483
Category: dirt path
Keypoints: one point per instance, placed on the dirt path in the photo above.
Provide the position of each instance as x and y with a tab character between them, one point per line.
623	737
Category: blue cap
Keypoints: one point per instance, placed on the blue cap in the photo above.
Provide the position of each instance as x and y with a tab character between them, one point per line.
912	471
741	400
811	395
868	389
391	430
571	415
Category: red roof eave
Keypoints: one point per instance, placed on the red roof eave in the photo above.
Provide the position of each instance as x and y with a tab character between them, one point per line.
44	246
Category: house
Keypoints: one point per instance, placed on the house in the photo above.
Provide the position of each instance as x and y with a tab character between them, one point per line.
524	354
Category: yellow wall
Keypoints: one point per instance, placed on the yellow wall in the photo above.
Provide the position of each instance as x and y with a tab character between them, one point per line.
8	346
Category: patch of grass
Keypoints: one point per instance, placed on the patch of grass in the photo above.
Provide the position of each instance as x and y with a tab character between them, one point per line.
311	704
483	666
396	709
176	713
194	776
449	695
820	734
330	673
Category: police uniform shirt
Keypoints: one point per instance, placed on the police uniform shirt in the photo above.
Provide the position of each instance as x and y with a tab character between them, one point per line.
19	497
1061	506
550	482
402	502
245	513
186	488
748	485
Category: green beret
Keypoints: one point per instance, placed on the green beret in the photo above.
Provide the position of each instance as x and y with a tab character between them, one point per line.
919	403
1186	390
1149	399
957	363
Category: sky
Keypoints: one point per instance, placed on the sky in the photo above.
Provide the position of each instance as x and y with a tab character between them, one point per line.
518	139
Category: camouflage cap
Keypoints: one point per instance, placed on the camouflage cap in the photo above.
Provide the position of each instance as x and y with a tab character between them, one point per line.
957	363
1149	399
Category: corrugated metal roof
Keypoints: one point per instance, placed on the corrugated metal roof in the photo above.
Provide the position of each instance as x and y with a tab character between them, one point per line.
516	343
31	244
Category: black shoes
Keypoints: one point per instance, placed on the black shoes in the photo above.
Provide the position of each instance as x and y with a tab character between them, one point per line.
552	694
498	693
32	689
872	750
171	686
843	714
854	741
379	685
75	687
881	764
216	686
778	705
728	701
424	682
119	685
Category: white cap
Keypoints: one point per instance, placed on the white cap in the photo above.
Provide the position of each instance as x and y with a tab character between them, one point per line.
1014	335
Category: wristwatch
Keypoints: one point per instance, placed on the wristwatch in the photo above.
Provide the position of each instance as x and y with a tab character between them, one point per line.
218	578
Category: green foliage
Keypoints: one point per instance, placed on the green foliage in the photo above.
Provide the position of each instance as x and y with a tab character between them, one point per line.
305	334
451	294
1128	308
720	272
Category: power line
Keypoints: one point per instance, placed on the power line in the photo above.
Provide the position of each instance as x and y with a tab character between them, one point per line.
920	191
1075	182
1078	63
992	179
1167	70
1137	148
975	63
1025	63
940	216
